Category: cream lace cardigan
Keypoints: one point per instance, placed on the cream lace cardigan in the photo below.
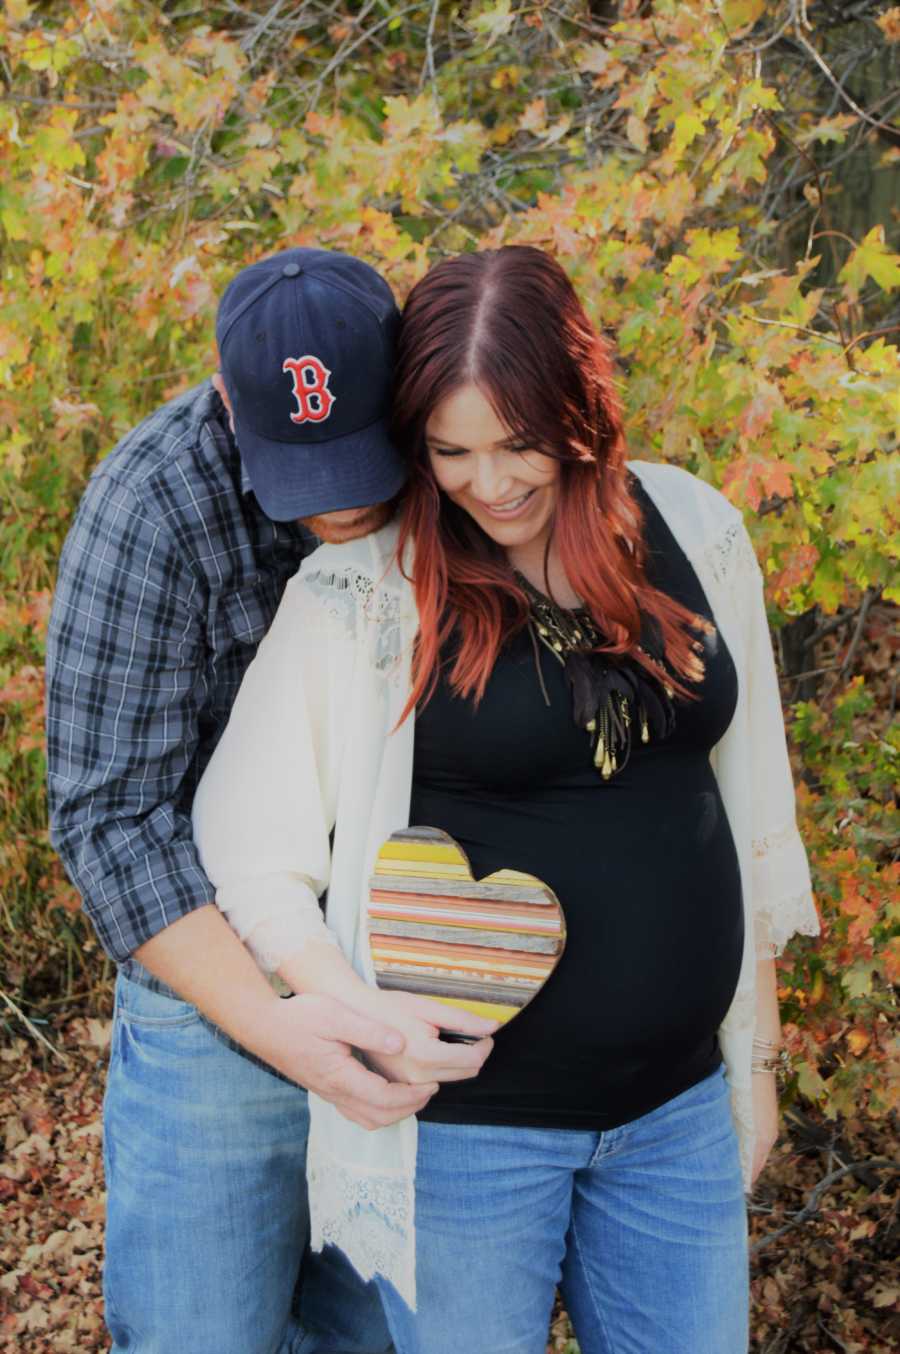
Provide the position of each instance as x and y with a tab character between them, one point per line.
309	749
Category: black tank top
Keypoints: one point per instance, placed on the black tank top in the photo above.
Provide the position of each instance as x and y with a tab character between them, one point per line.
644	866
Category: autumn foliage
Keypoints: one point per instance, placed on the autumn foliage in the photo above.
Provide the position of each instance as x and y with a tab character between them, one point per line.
146	157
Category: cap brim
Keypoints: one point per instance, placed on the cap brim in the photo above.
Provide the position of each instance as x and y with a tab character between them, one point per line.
292	479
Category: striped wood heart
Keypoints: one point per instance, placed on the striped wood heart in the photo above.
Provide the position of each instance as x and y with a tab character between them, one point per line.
487	945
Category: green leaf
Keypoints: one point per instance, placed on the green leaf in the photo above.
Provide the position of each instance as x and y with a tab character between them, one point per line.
688	126
857	979
872	259
809	1083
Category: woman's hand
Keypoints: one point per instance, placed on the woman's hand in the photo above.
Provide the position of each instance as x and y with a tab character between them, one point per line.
425	1057
319	968
765	1119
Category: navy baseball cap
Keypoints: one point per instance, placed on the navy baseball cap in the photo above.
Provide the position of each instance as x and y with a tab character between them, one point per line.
306	348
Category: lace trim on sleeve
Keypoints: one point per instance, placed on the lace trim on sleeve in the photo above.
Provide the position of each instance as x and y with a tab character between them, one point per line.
347	594
783	899
774	926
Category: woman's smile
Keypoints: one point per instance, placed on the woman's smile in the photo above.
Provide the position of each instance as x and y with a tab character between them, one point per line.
511	508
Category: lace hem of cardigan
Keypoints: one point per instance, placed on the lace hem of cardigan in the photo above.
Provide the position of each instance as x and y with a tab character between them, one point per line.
370	1217
787	916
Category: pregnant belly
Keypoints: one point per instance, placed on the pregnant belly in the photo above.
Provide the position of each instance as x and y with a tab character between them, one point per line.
655	937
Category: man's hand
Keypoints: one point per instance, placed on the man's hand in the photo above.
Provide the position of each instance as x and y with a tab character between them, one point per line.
311	1040
308	1038
420	1058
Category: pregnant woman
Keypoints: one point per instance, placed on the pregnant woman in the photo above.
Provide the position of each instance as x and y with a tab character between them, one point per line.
561	660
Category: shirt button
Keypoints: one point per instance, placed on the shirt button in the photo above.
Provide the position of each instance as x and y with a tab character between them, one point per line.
291	270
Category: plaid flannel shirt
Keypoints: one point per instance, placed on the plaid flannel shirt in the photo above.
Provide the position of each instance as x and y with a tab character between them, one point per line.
168	580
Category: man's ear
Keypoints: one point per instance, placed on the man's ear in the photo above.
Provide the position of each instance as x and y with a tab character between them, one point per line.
219	387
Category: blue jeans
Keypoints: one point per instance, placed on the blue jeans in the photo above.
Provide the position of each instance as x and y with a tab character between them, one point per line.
643	1227
207	1215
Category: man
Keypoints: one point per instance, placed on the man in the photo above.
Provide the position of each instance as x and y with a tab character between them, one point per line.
169	578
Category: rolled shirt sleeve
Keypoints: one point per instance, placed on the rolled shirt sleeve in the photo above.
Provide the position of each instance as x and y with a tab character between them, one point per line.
125	686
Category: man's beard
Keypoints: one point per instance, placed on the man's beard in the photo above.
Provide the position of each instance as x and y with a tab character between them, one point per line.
335	528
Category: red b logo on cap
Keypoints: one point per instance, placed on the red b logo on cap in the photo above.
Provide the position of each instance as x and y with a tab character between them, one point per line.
314	399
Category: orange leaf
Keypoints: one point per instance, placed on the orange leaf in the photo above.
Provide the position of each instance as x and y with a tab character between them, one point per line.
749	479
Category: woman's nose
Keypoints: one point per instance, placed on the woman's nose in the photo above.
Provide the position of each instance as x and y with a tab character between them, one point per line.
491	478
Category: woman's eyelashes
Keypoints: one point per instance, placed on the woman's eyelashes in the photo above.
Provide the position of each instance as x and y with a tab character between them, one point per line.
464	451
448	451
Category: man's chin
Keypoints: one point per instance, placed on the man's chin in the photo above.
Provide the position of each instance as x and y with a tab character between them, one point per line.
338	527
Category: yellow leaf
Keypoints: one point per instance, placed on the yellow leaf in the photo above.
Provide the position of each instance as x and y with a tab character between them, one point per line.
858	1041
688	126
501	132
809	1082
12	452
506	76
872	259
738	14
636	131
714	246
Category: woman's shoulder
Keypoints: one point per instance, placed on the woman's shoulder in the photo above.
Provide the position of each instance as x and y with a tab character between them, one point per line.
686	501
708	527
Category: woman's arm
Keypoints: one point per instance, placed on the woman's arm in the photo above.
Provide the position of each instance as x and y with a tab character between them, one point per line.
765	1088
781	893
264	806
263	814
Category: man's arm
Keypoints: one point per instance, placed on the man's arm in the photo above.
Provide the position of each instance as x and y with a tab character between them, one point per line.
125	685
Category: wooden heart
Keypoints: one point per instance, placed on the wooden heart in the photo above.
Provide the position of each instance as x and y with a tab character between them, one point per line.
488	945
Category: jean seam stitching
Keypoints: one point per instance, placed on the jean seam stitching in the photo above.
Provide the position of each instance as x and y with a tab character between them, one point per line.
589	1285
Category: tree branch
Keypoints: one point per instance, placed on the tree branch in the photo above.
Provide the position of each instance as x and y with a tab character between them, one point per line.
812	1202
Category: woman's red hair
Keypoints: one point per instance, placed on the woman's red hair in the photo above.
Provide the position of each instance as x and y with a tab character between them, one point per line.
509	321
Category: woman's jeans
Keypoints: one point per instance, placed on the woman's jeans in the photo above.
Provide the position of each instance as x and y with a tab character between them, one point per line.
643	1227
207	1216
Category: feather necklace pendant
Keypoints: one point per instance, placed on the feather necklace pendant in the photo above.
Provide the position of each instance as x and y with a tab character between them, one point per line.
614	699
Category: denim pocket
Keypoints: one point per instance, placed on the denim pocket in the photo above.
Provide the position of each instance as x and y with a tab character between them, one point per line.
139	1005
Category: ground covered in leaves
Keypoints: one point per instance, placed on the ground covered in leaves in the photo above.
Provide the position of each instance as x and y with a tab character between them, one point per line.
826	1238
